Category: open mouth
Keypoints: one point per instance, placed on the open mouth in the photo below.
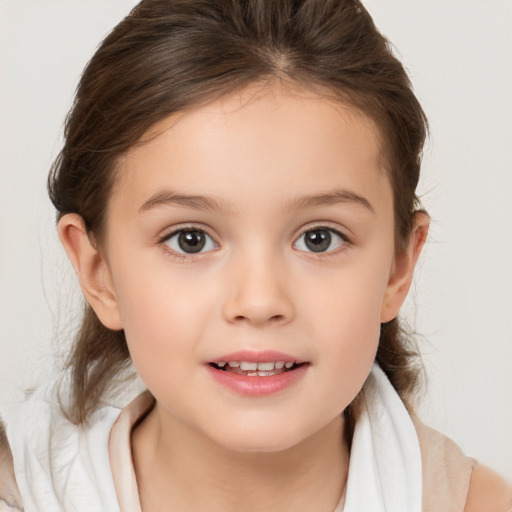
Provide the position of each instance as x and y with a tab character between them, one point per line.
252	369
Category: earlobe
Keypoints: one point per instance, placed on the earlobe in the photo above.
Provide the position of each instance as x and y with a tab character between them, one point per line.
91	269
401	275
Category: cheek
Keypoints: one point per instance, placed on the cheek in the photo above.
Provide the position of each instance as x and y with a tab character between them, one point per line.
162	319
348	300
353	341
351	353
354	348
345	322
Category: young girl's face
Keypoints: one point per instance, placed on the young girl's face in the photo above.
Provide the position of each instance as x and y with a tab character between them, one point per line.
255	230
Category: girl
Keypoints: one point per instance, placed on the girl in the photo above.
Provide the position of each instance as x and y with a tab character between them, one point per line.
236	194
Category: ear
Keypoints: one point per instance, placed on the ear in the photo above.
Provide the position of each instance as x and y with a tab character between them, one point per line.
403	267
91	269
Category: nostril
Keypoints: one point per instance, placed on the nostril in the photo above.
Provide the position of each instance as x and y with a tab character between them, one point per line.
257	311
275	318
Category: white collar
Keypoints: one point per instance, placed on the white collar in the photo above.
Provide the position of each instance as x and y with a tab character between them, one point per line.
385	471
385	462
64	467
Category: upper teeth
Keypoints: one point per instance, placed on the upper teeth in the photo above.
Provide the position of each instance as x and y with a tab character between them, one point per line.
267	366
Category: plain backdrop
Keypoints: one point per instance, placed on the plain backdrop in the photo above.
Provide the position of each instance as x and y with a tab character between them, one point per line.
458	54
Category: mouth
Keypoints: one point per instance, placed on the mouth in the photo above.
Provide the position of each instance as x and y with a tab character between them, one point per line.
256	369
257	373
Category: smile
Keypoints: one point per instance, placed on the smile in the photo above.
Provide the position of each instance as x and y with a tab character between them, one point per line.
252	369
257	374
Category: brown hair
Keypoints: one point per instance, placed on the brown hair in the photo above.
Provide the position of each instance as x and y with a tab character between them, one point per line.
170	55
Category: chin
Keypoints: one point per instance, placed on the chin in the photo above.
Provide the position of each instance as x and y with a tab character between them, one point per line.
244	445
261	438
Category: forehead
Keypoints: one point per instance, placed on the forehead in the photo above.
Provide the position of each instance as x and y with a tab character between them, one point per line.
288	139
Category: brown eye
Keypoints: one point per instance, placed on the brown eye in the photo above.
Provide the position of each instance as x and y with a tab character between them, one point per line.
320	240
190	241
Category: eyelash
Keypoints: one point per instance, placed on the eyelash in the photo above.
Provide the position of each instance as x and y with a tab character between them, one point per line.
344	240
184	256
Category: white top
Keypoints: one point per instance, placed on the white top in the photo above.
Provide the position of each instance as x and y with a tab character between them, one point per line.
60	467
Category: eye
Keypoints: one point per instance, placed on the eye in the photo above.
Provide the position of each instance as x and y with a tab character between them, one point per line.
320	240
190	241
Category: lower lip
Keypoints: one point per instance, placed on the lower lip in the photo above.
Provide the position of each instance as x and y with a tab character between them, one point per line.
257	386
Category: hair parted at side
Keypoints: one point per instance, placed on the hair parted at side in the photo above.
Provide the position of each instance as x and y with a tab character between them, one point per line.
170	55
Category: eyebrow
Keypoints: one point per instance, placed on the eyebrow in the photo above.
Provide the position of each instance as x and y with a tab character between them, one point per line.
197	202
200	202
329	198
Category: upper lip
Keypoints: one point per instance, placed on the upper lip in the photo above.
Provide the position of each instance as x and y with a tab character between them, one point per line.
257	356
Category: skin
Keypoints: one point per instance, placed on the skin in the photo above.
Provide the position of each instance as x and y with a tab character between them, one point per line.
261	155
488	492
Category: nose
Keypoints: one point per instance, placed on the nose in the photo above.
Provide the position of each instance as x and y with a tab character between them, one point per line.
258	292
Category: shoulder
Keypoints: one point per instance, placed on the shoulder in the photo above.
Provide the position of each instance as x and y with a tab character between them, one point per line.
454	481
50	462
10	500
488	492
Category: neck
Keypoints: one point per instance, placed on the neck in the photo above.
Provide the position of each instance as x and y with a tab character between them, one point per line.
198	474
